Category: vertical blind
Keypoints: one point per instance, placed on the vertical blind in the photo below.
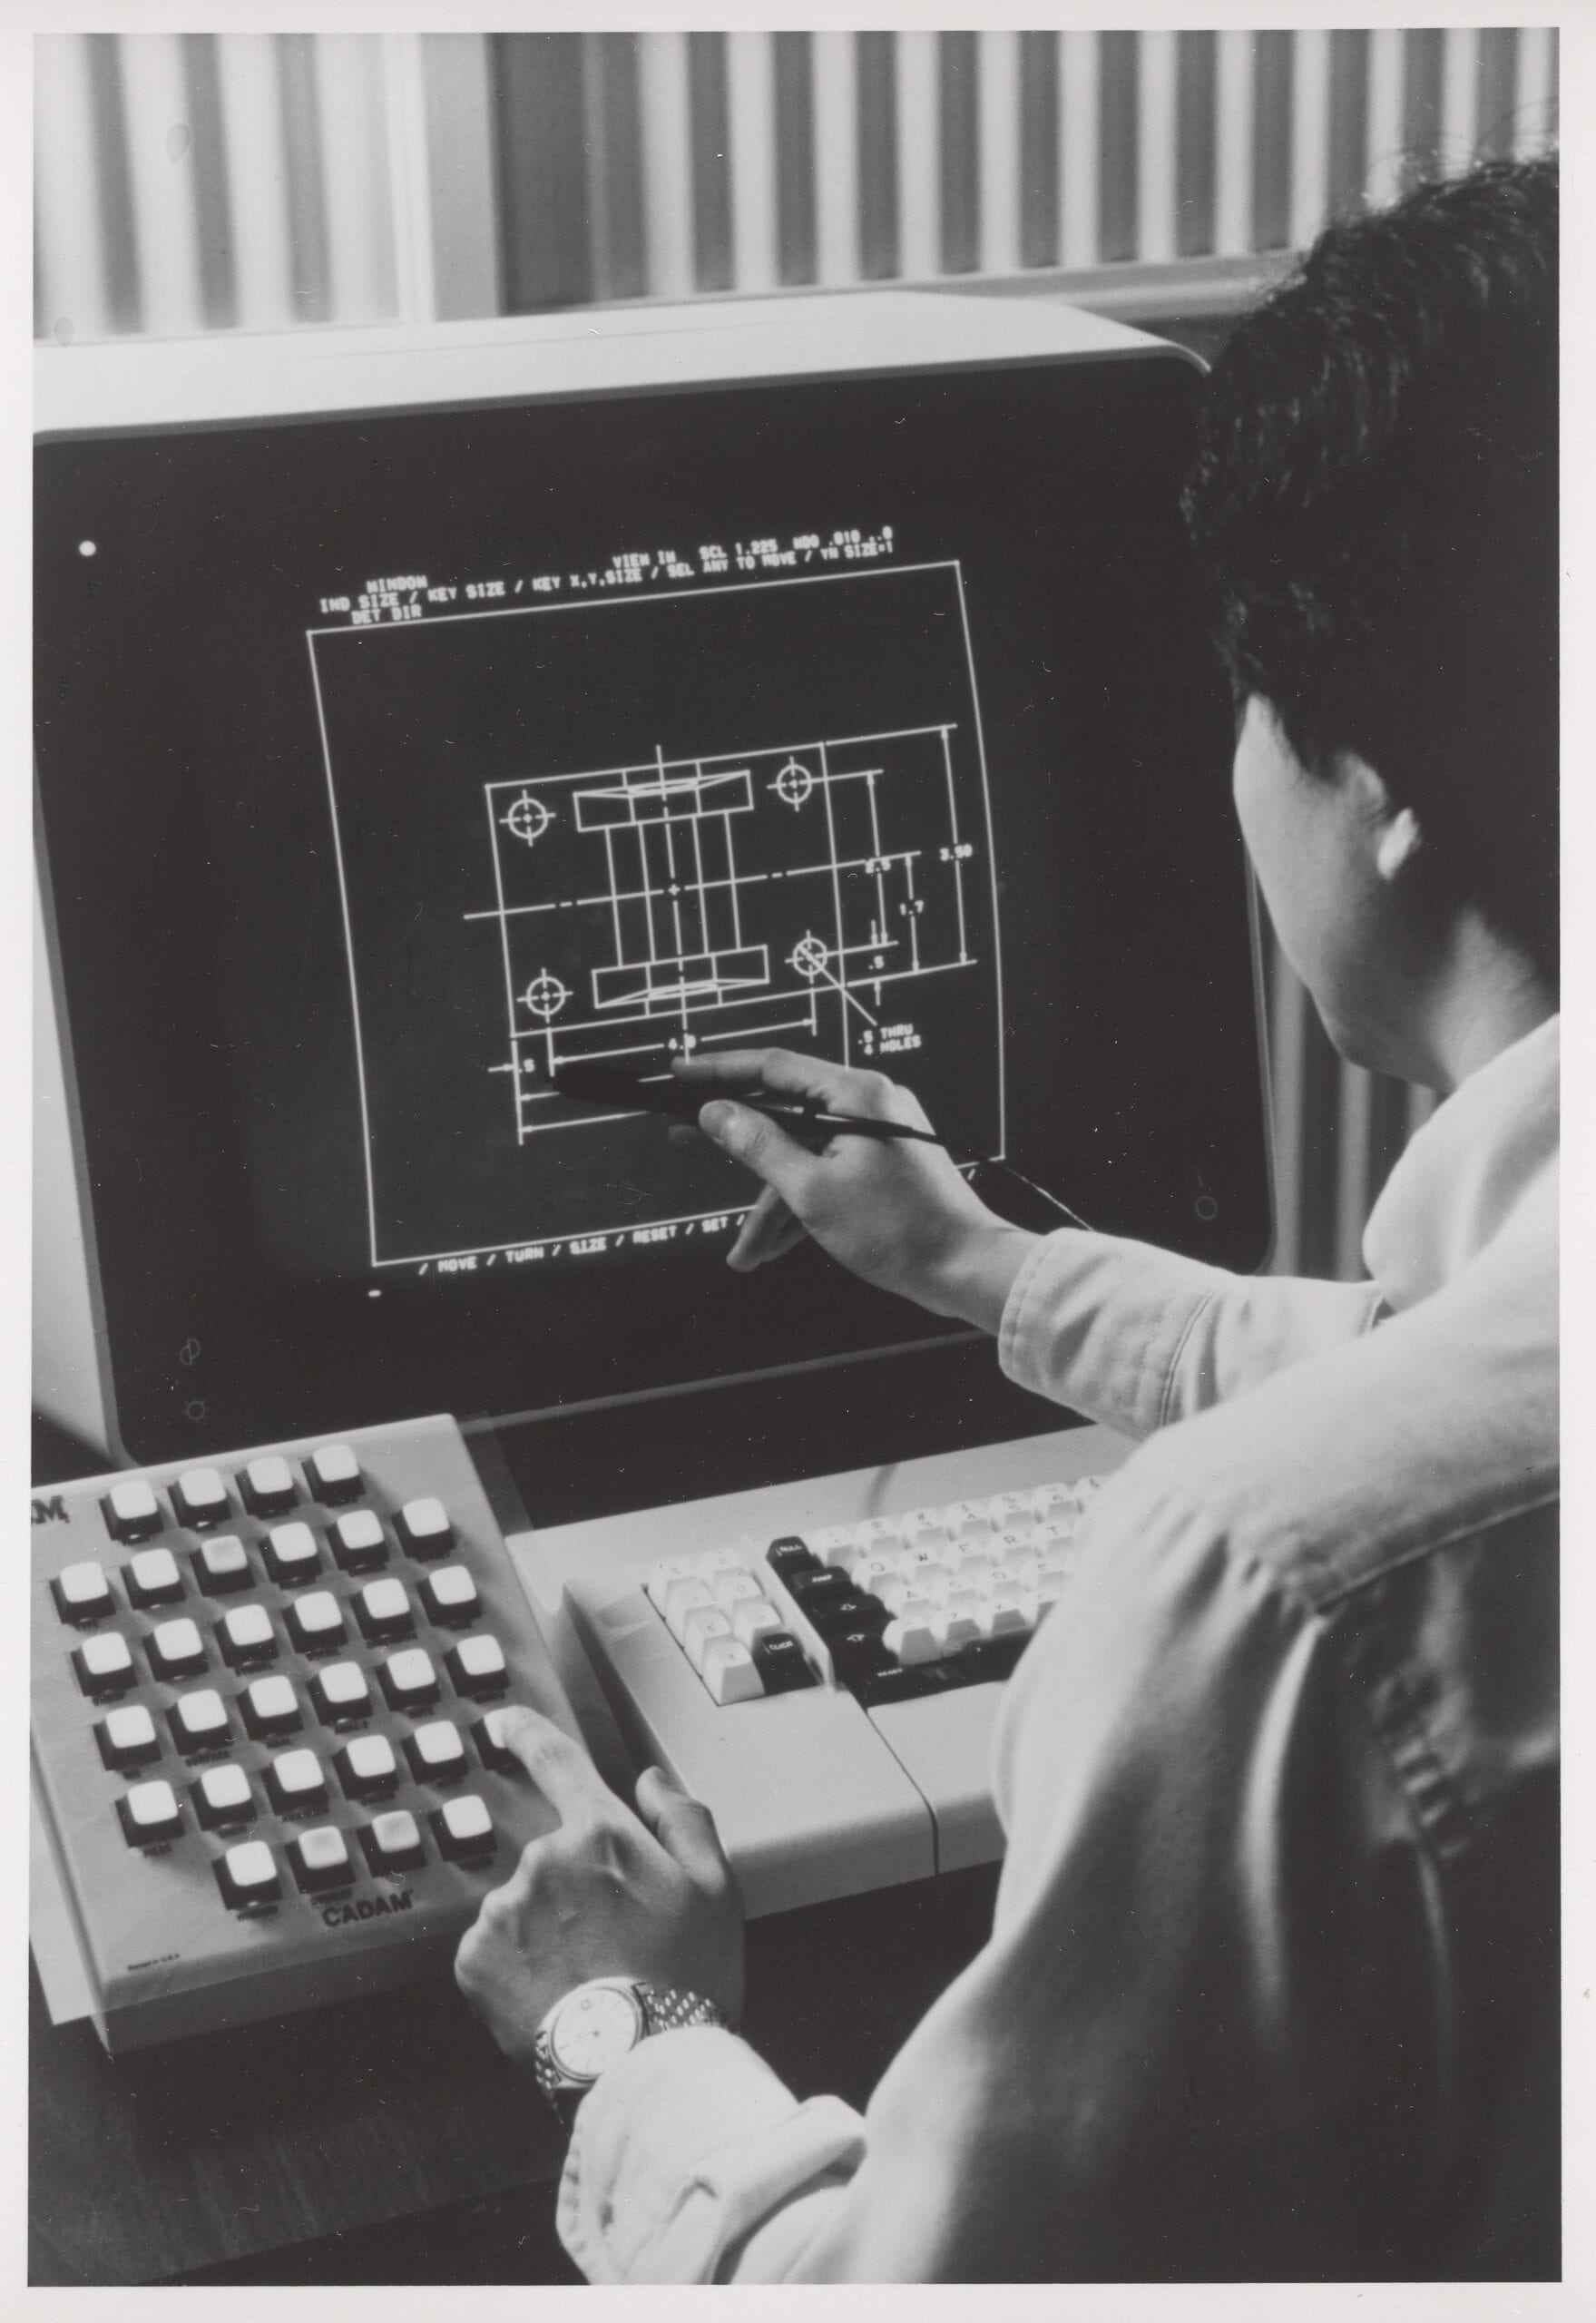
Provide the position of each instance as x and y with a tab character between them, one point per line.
193	182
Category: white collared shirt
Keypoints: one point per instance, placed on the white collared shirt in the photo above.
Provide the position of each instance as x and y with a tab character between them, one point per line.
1272	1986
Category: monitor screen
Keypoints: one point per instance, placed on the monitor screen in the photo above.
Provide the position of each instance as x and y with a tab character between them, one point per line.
388	761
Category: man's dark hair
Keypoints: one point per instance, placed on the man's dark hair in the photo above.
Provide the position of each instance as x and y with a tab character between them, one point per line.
1374	503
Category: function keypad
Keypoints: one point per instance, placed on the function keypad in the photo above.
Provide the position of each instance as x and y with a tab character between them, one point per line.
199	1497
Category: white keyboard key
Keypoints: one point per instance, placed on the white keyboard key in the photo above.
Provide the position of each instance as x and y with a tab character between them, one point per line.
478	1665
199	1497
297	1778
1087	1488
1010	1542
1053	1503
735	1556
830	1542
200	1720
682	1598
315	1618
664	1576
150	1812
910	1600
729	1673
967	1517
1053	1534
152	1578
291	1552
438	1750
335	1471
1002	1581
83	1591
176	1649
322	1858
912	1563
912	1638
222	1795
464	1827
1009	1508
955	1629
409	1679
222	1564
704	1623
929	1525
104	1663
734	1585
869	1572
128	1736
367	1766
247	1875
973	1565
341	1690
423	1527
882	1532
357	1540
1005	1617
751	1617
247	1635
133	1509
393	1841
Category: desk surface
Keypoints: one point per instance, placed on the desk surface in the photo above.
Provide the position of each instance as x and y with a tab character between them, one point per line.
272	2135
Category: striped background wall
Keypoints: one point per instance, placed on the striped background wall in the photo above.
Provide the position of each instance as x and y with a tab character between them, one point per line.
189	183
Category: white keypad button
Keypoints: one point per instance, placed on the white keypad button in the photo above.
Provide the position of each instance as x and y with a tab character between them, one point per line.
132	1509
199	1496
246	1635
335	1471
410	1678
879	1532
1087	1488
270	1707
682	1598
729	1671
1054	1503
357	1540
152	1578
912	1638
291	1552
929	1524
478	1665
316	1620
734	1586
1051	1533
869	1573
104	1663
464	1826
127	1736
222	1795
368	1759
423	1528
1004	1617
450	1594
83	1591
176	1649
384	1608
830	1541
150	1812
665	1574
1009	1508
704	1623
200	1720
247	1875
752	1617
299	1774
221	1563
438	1750
322	1858
393	1840
267	1484
957	1627
731	1557
341	1690
913	1563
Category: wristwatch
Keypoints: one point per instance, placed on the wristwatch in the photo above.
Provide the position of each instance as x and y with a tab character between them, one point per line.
597	2023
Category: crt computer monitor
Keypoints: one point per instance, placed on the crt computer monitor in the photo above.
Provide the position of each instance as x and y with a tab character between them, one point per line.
415	712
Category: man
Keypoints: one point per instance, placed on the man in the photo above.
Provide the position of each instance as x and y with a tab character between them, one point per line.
1270	1991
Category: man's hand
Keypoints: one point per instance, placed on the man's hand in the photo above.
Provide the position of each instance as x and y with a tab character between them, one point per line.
896	1212
606	1894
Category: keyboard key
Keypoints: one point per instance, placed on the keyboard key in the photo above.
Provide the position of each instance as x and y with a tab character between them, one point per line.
437	1752
967	1517
82	1594
246	1637
409	1680
791	1555
956	1626
990	1660
1087	1489
222	1796
924	1524
176	1650
341	1693
151	1578
198	1720
463	1828
127	1738
821	1593
424	1528
316	1621
857	1652
701	1627
333	1475
271	1708
1006	1508
220	1564
733	1557
291	1553
729	1671
248	1876
682	1598
827	1545
296	1780
132	1510
104	1665
393	1841
476	1666
735	1586
665	1574
1051	1504
367	1767
913	1563
450	1596
751	1617
781	1662
1005	1617
489	1734
383	1611
882	1532
849	1611
912	1638
150	1813
322	1858
266	1485
358	1542
200	1498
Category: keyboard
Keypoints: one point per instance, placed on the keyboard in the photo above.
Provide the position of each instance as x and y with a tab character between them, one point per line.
264	1723
823	1663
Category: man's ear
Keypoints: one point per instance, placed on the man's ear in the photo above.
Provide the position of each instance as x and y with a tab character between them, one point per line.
1395	831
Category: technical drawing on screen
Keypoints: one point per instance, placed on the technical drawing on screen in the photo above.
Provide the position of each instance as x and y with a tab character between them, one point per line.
635	827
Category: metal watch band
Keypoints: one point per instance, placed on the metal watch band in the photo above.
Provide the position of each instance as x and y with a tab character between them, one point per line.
664	2010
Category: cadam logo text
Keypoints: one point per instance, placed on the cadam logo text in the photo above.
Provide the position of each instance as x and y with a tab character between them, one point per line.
366	1907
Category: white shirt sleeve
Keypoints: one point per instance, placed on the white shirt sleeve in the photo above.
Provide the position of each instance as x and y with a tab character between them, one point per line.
1134	1336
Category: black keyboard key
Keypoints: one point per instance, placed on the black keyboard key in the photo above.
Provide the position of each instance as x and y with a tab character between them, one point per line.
780	1661
990	1658
822	1593
790	1556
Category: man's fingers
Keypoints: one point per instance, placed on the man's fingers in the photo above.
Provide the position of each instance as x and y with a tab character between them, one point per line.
782	1072
561	1768
684	1827
757	1141
768	1228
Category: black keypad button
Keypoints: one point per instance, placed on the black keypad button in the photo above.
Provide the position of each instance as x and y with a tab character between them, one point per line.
366	1768
358	1542
384	1612
333	1475
131	1511
463	1828
82	1594
248	1876
990	1658
424	1528
780	1661
200	1498
104	1666
271	1708
290	1552
151	1579
222	1798
149	1814
492	1751
790	1556
127	1738
341	1693
176	1650
822	1594
266	1486
247	1638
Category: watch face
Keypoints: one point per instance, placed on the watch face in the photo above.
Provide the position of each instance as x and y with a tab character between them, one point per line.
592	2028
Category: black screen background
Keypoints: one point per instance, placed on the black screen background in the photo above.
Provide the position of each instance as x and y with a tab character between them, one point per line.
181	769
